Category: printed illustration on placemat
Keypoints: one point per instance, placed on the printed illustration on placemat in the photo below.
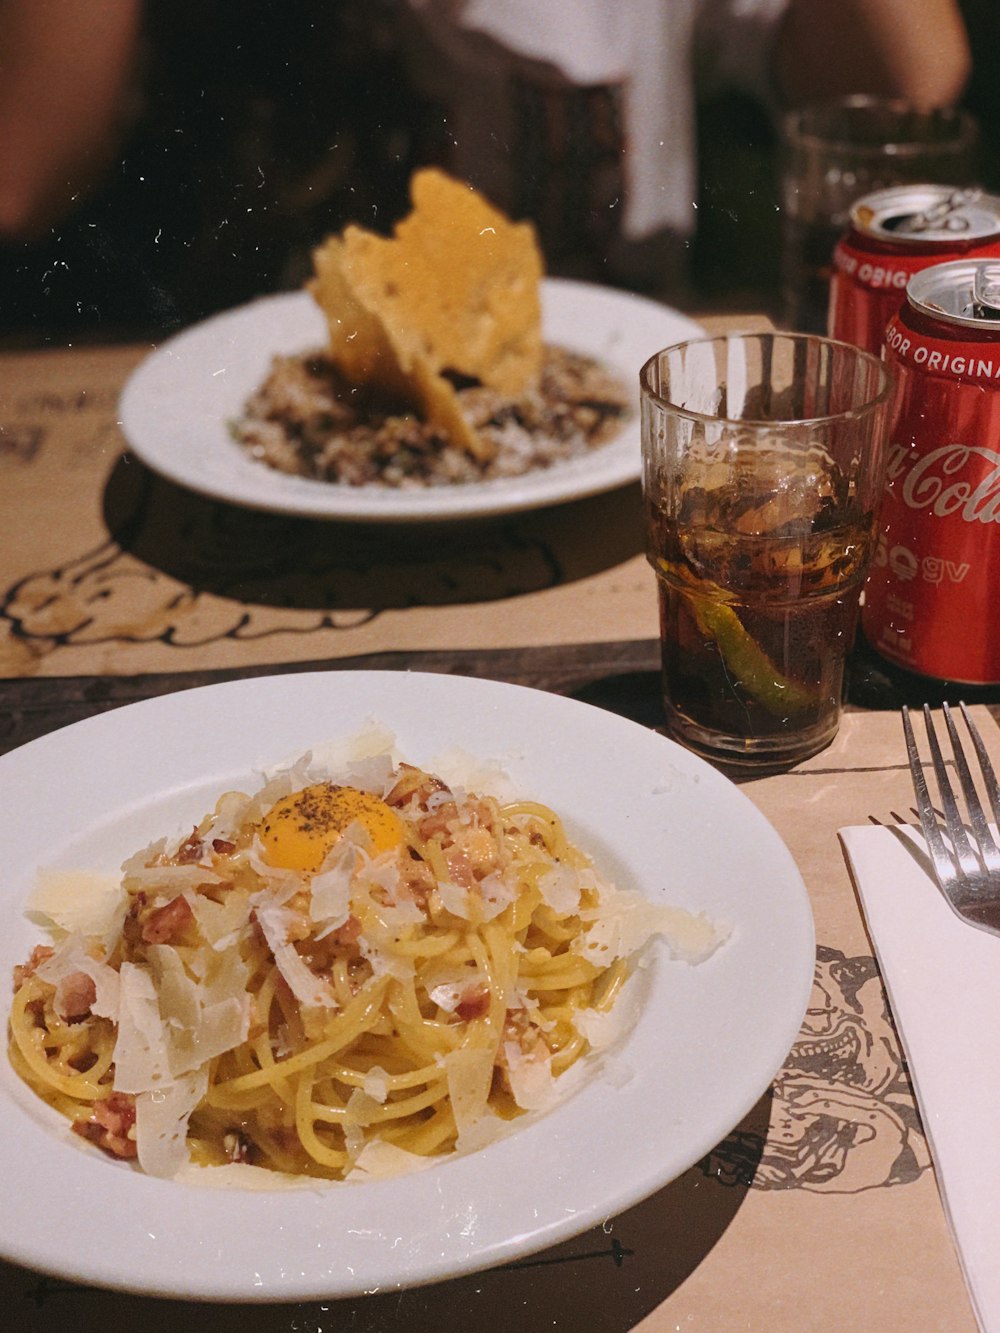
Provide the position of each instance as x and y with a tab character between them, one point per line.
843	1115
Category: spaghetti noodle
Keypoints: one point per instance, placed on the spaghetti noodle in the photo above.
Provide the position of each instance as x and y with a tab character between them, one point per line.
334	978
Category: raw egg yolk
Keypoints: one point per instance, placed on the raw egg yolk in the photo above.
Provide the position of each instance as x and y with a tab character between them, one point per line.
298	831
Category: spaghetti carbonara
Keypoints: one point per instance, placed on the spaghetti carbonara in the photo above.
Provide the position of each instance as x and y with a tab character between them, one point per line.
338	976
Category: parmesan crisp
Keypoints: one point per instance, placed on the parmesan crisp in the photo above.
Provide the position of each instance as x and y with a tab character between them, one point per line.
455	288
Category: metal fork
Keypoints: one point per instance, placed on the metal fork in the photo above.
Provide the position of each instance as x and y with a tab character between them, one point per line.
967	865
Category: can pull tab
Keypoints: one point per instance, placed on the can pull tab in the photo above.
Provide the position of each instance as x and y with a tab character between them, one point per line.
946	215
986	291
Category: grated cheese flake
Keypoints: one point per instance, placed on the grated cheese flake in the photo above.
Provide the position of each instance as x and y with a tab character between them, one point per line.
141	1061
469	1071
201	1020
376	1084
79	902
312	992
330	900
161	1120
68	961
624	920
380	1160
560	889
530	1077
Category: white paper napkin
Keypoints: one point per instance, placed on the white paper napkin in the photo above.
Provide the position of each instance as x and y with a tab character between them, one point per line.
942	977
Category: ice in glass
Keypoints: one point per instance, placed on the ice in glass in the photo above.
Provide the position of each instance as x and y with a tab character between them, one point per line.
763	468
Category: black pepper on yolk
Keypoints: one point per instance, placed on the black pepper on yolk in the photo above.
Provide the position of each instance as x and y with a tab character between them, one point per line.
300	829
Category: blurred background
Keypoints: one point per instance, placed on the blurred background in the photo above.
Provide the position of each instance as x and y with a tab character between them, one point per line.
256	130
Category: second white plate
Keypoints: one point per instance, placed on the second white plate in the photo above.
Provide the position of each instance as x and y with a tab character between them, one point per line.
176	408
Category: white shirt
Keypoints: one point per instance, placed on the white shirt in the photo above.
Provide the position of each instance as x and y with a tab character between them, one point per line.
639	63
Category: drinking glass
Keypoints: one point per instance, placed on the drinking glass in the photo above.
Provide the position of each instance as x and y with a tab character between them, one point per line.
763	466
832	153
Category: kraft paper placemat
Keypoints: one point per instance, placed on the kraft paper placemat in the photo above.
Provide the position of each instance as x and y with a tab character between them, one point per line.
108	568
818	1212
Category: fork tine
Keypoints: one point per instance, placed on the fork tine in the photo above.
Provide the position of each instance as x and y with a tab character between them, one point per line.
965	859
988	851
969	879
989	777
925	808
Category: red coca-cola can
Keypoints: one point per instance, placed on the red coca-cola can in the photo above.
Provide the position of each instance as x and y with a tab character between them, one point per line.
932	599
893	234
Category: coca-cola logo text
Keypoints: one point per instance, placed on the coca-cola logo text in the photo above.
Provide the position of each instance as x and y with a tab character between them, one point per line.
965	361
879	277
956	479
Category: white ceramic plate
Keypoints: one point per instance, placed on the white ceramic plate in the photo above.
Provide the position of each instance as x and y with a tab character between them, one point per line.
175	408
705	1045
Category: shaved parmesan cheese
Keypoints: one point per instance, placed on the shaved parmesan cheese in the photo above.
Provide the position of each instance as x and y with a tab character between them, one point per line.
379	1160
497	894
243	1176
454	899
530	1077
602	1029
520	999
383	960
177	994
374	774
469	1073
330	900
447	996
78	902
141	1063
362	1108
437	799
161	1121
372	741
460	768
221	1027
311	991
168	881
222	923
281	884
624	920
560	889
223	973
398	915
354	1140
68	961
380	941
376	1084
285	778
229	814
198	1027
390	898
139	860
489	1128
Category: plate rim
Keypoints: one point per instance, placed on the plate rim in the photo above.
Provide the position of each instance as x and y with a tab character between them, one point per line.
317	1285
607	468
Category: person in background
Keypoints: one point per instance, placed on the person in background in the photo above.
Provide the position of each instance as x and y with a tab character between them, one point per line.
583	115
167	158
164	159
982	92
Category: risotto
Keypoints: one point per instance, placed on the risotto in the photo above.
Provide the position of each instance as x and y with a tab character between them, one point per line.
307	420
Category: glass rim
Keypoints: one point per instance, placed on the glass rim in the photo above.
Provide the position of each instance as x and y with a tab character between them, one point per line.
867	408
966	127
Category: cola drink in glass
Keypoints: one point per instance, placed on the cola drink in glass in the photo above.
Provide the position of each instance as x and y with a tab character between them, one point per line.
763	466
